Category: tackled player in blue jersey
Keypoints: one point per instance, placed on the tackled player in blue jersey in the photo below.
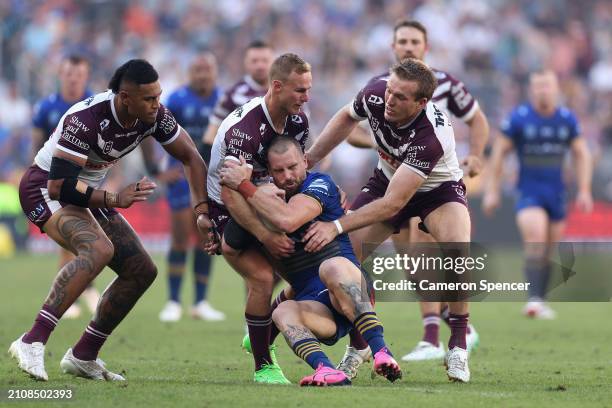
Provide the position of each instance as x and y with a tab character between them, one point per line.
192	105
330	294
541	132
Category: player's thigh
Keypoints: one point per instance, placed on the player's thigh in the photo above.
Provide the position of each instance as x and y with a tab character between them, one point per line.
317	318
533	224
182	228
449	223
367	239
131	260
76	230
250	263
339	269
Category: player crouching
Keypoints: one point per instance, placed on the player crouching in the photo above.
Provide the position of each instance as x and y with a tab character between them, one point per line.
330	294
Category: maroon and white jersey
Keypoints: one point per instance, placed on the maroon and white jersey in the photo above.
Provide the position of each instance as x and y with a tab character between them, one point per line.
451	95
91	130
426	145
239	94
247	132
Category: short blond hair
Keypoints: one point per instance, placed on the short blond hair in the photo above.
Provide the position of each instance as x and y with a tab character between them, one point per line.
411	69
284	65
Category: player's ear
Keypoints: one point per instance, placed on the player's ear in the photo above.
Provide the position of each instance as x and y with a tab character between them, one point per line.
277	85
123	97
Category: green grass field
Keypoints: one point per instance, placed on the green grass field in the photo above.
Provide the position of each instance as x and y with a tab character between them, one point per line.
520	363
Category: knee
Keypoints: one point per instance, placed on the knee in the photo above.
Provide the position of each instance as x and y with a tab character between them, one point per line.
261	283
104	252
331	274
278	315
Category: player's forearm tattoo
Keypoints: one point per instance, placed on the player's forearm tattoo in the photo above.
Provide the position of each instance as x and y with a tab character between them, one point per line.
361	304
79	233
294	333
135	270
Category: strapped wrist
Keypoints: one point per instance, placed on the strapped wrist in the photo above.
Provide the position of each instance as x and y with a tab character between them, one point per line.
247	189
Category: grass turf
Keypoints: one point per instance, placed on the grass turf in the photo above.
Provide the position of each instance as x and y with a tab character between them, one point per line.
520	363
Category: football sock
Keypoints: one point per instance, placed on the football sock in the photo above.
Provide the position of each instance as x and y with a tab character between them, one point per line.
259	333
537	272
280	298
371	329
458	325
445	315
357	341
176	267
310	351
431	323
201	269
45	322
90	343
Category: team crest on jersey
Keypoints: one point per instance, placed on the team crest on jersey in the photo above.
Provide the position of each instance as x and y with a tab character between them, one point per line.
296	119
108	147
375	100
262	129
374	123
104	124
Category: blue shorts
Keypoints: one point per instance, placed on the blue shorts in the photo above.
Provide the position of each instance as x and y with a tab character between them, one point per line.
549	198
178	195
315	290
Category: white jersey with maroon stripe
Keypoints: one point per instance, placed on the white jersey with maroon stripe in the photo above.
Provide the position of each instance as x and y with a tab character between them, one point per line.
91	130
247	132
426	145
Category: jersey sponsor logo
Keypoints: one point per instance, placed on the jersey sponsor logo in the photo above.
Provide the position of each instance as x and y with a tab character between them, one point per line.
421	164
72	139
168	123
238	111
118	135
461	97
89	100
240	134
80	125
104	124
319	184
439	116
387	158
375	100
262	129
37	212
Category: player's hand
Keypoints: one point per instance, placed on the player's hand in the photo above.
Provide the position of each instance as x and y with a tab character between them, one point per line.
318	235
584	202
278	244
134	192
171	175
343	200
232	173
472	165
490	203
210	238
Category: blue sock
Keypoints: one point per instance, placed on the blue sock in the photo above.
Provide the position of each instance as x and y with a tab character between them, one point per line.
371	330
176	267
537	272
310	351
201	269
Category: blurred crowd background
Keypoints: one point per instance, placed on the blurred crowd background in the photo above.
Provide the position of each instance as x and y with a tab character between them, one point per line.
490	45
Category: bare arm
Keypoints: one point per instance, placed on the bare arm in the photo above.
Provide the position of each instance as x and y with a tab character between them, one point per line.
286	216
491	200
69	189
360	137
184	150
479	135
336	130
400	190
584	174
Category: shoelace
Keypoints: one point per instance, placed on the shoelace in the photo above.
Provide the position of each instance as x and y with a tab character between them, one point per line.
455	362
